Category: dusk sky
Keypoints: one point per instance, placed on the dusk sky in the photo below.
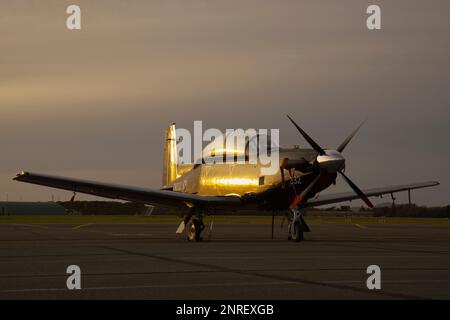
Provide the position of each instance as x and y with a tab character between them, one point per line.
94	103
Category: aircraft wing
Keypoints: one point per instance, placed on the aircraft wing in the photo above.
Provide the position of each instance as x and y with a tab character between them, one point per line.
346	196
149	196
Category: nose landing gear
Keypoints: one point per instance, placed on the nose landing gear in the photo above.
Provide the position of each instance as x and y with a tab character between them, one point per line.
297	226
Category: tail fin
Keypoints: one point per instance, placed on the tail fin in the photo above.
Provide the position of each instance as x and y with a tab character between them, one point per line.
170	156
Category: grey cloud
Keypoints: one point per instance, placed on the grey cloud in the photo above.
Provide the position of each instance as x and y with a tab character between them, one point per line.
95	103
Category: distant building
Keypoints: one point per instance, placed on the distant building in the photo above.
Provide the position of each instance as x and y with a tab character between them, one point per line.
31	208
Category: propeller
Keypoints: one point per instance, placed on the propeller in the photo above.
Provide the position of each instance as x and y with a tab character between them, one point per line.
329	161
350	137
357	190
308	138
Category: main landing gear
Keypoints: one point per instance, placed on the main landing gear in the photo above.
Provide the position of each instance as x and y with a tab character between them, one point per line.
297	225
196	226
192	228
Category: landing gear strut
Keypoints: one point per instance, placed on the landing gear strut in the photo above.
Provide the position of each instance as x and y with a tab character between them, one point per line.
195	229
297	226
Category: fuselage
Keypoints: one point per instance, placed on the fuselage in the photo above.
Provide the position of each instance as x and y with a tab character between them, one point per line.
245	179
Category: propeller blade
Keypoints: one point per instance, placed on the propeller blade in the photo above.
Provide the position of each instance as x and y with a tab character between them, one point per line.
299	198
357	190
313	144
350	137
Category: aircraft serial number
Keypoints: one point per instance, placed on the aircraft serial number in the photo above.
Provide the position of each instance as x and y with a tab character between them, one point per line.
295	180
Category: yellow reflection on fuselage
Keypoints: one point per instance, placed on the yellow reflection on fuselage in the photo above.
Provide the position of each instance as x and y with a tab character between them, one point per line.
230	182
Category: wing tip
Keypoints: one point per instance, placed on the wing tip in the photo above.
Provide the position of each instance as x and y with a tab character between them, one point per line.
20	175
432	183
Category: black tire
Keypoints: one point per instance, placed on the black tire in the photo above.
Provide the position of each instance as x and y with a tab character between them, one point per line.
296	232
192	232
289	232
195	230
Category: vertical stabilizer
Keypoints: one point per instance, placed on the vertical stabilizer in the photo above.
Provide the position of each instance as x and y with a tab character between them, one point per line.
170	156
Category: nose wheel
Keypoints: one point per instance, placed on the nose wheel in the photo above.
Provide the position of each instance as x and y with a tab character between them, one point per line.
295	232
297	226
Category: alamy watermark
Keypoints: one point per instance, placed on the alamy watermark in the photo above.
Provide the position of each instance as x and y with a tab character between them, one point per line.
252	146
74	279
374	280
73	21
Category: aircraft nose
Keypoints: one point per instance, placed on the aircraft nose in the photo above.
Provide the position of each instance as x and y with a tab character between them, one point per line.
331	161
